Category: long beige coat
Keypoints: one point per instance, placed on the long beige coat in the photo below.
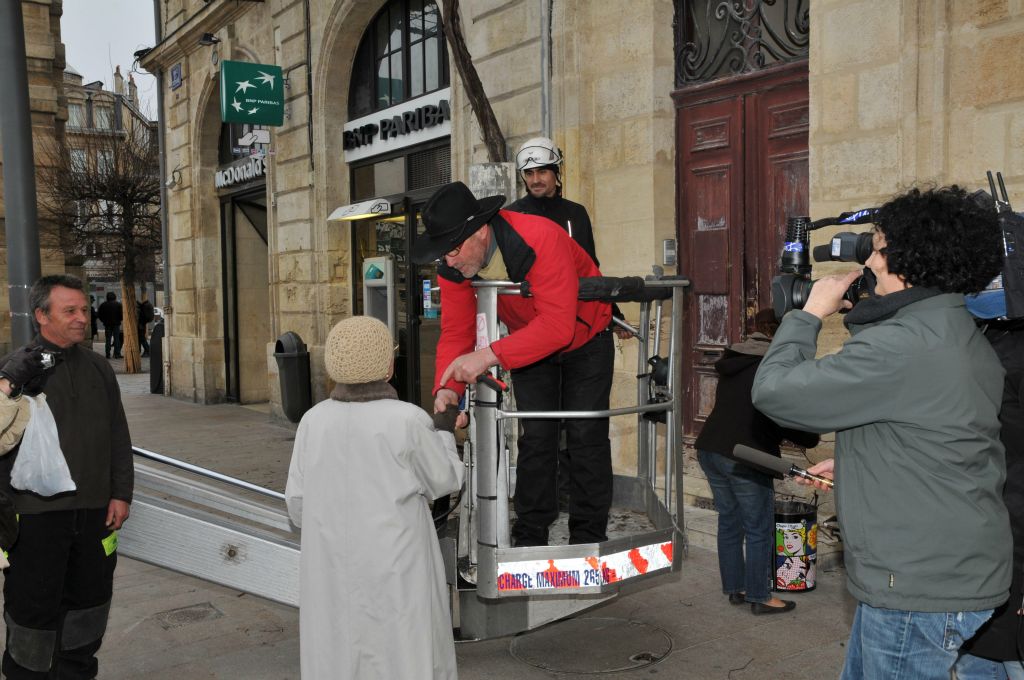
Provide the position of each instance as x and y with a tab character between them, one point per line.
373	602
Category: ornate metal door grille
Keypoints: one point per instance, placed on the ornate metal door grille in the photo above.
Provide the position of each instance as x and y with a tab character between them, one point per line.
719	38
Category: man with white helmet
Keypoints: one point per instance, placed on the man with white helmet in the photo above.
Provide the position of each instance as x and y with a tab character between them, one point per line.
539	163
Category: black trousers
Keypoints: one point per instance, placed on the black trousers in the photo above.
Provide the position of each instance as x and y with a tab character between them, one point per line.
580	380
112	338
57	595
143	343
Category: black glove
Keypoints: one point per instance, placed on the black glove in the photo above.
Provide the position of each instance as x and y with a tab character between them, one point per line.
37	384
446	419
22	365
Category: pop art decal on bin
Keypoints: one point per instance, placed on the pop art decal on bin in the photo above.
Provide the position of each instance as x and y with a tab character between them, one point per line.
789	539
583	572
795	555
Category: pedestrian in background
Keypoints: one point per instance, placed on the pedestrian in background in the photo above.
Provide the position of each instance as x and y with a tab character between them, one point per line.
111	316
93	320
744	496
363	469
58	588
144	315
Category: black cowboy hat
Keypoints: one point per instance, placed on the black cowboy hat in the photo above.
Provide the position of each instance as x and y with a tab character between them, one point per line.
452	215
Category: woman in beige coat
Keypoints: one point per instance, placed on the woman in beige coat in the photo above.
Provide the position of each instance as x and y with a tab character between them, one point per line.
372	595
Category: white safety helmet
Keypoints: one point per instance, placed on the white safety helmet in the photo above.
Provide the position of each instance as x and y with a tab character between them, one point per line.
539	152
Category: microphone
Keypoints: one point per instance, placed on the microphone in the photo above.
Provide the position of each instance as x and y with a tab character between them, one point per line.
775	464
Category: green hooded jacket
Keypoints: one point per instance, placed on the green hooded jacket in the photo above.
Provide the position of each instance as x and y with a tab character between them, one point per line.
914	402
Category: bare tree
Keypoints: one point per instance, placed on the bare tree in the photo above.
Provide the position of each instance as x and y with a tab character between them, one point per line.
494	140
102	194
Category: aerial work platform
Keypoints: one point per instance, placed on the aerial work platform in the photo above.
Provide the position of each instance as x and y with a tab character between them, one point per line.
236	534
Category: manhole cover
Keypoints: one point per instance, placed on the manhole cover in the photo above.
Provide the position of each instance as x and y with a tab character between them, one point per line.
174	618
592	645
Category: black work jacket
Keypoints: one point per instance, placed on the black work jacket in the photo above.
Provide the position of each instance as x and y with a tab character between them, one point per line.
85	399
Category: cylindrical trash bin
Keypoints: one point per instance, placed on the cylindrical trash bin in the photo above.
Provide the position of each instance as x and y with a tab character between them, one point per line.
796	546
156	357
293	371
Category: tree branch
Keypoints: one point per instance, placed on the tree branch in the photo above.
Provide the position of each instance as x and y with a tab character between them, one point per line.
489	127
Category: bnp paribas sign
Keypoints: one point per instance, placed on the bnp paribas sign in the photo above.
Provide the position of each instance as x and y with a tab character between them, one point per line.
251	93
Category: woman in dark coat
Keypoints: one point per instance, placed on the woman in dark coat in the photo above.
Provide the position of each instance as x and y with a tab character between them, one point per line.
744	496
996	650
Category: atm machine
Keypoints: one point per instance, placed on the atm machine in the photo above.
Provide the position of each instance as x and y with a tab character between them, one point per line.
379	300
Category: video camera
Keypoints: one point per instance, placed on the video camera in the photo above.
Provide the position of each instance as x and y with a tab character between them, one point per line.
1003	299
792	286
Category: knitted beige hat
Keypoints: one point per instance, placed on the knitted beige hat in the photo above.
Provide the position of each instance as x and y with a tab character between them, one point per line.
359	350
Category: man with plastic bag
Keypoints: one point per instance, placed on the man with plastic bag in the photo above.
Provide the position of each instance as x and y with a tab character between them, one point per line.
58	587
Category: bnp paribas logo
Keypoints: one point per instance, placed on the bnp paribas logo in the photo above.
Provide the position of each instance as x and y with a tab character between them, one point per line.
244	86
251	93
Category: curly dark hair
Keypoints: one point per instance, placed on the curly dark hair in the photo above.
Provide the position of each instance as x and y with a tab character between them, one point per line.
941	238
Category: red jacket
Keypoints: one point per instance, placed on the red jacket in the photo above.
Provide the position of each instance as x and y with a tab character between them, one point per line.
552	320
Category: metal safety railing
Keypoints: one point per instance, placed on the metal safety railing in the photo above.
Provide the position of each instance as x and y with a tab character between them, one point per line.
484	541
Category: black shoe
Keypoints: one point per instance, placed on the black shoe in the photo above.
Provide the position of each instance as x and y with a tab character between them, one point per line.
118	356
108	356
762	608
737	598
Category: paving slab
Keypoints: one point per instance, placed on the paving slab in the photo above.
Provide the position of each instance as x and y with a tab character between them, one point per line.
165	625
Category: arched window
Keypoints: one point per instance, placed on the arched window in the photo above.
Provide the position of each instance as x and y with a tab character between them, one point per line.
402	55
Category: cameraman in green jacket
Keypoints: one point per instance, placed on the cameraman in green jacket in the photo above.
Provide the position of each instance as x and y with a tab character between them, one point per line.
913	397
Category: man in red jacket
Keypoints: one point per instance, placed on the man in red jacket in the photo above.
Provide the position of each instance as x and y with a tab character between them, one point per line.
551	334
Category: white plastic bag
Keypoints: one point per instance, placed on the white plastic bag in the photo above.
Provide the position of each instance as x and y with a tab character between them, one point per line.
40	466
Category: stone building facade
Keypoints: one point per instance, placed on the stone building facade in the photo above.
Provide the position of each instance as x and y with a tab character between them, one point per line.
928	92
607	84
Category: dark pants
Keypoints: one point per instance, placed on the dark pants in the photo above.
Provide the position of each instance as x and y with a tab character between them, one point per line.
57	595
574	381
143	343
113	338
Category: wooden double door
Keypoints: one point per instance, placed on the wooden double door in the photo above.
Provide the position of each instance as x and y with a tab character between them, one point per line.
741	171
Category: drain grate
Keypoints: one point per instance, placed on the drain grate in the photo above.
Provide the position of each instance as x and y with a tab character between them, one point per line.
592	645
183	616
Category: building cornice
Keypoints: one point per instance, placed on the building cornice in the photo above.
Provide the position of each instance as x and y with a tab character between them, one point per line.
184	40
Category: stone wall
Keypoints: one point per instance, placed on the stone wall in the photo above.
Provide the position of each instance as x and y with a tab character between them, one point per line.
44	54
935	97
929	93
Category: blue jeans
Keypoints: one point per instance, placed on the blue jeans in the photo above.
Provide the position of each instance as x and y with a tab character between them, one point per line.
892	644
970	667
744	499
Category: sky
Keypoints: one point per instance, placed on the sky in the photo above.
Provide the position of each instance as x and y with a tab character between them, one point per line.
101	34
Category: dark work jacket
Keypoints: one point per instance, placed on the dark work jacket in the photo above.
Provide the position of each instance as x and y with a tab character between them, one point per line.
83	395
1002	636
110	313
570	216
734	420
